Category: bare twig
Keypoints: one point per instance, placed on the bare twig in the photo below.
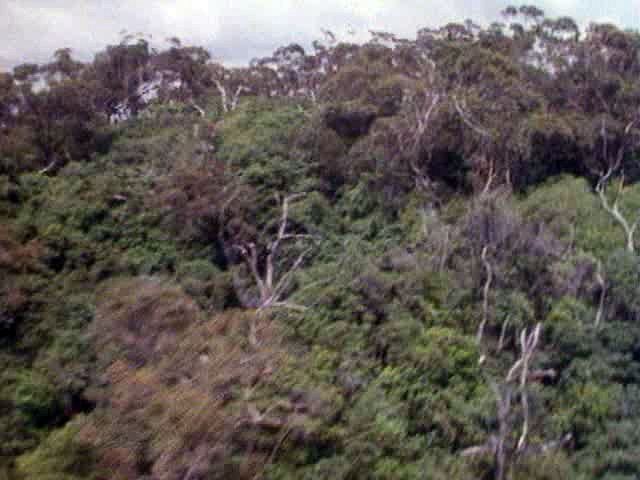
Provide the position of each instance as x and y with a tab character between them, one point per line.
223	95
198	108
613	210
48	167
270	289
466	118
503	332
603	292
629	228
528	344
490	177
485	295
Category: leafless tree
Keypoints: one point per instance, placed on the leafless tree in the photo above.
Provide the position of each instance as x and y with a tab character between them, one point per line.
528	344
629	226
498	444
271	284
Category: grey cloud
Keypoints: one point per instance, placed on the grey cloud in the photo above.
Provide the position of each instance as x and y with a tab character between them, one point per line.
234	30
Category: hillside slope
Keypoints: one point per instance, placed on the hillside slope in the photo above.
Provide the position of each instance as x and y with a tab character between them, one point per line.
406	260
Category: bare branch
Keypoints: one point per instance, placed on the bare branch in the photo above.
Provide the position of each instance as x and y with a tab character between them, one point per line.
503	407
613	210
223	95
270	289
496	444
478	450
283	283
528	345
466	118
503	332
445	250
48	167
423	119
198	108
603	292
236	96
273	247
490	178
485	295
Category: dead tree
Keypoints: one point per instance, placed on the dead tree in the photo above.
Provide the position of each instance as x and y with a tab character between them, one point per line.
271	284
629	226
528	344
498	444
421	107
230	104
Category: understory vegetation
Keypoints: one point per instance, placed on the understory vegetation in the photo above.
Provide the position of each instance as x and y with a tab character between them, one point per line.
405	259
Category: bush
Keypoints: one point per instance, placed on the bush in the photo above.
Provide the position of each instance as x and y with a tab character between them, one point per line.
60	456
142	317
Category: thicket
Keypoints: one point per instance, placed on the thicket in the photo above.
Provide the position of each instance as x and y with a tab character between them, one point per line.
398	260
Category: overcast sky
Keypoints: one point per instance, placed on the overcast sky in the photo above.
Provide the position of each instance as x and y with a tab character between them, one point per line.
237	30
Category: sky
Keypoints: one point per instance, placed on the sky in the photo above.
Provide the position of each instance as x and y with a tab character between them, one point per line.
234	31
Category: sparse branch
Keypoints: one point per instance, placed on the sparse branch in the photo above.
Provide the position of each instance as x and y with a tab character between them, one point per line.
603	293
445	250
520	374
528	344
199	109
423	118
503	403
48	167
490	177
485	295
271	289
250	255
223	95
503	332
466	118
410	142
283	283
236	96
496	444
613	210
229	105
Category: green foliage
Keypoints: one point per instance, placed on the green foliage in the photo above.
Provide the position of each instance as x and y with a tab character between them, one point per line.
126	251
257	138
61	456
568	327
571	209
35	399
623	269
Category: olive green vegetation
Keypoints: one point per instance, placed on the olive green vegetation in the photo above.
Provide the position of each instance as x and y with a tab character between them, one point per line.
135	342
117	328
